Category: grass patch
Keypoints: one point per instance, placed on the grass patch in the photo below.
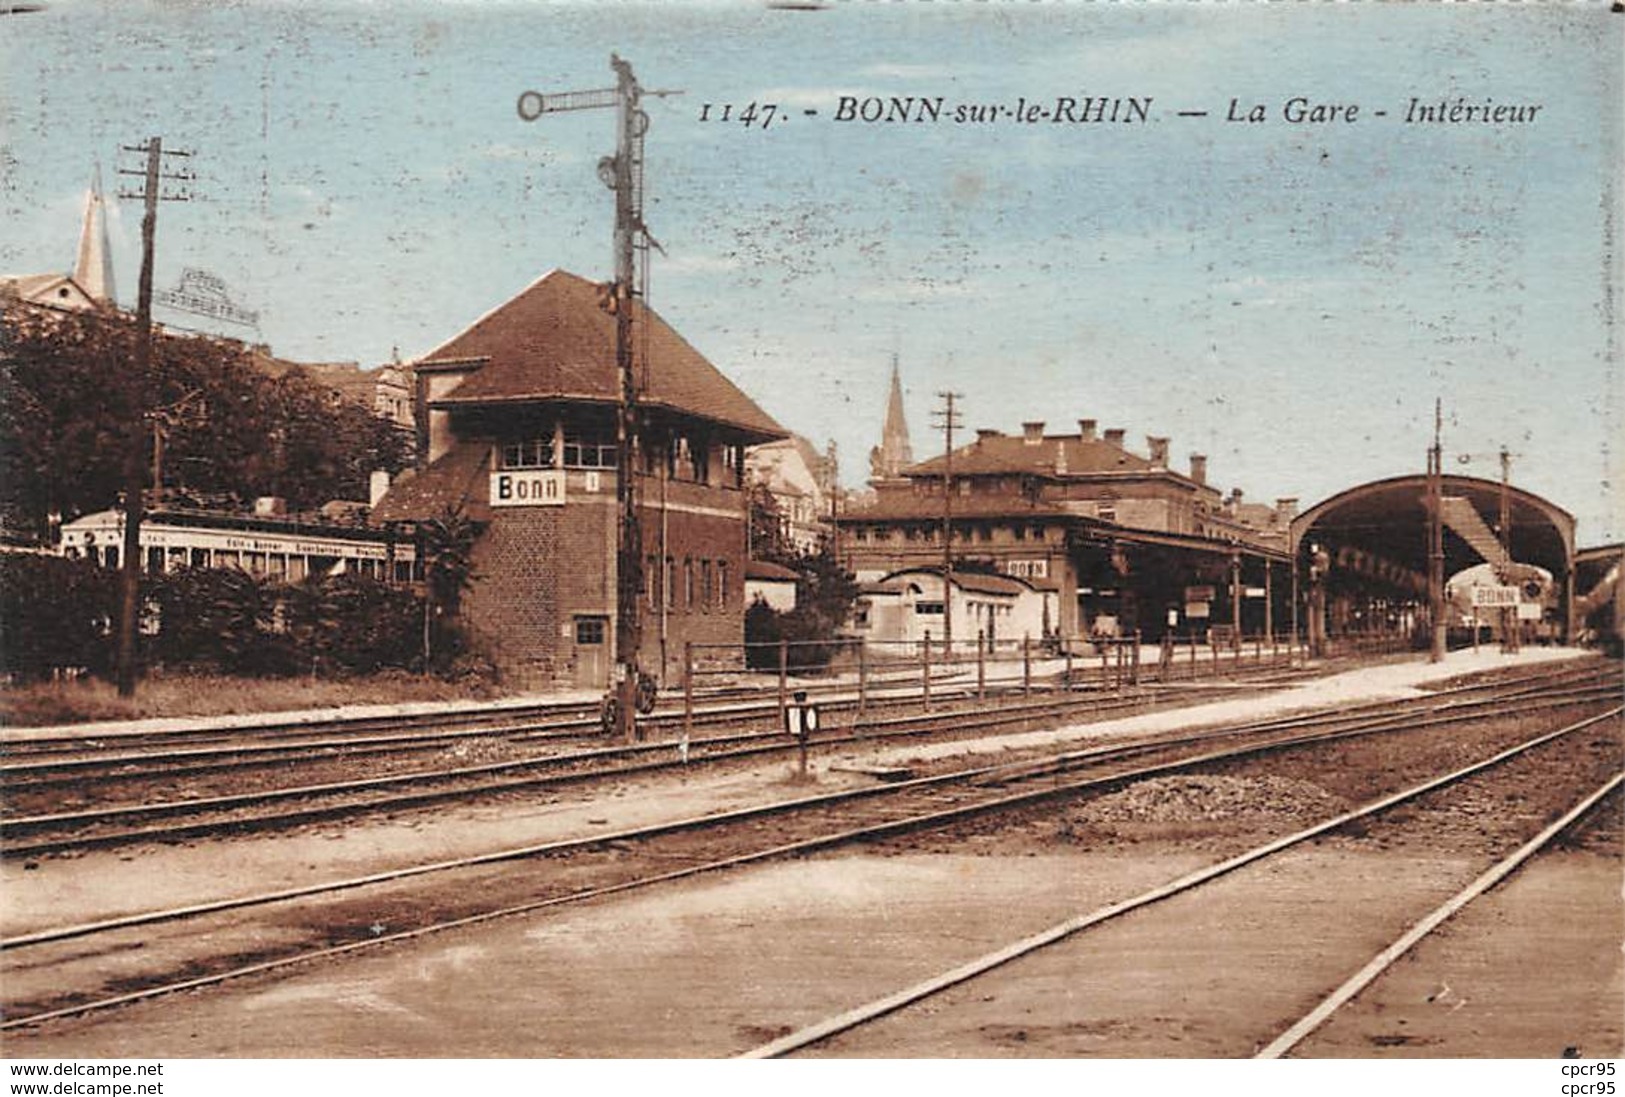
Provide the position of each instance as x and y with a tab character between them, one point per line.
89	700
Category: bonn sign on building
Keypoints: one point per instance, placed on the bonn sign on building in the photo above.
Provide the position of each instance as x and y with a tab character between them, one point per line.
530	488
1495	596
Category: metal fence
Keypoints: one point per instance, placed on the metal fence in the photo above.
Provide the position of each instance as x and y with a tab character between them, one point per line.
862	674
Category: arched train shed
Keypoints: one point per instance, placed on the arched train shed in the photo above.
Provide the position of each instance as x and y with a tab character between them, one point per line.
1372	547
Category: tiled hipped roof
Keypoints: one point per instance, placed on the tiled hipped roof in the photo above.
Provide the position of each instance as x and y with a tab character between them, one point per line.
1011	453
556	341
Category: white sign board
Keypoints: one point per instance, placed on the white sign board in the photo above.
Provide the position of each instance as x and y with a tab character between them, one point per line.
528	488
1529	611
1495	596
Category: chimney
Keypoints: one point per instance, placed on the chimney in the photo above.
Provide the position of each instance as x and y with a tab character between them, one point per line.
1086	429
1032	433
1159	451
984	433
1199	467
1233	504
1287	507
1114	436
377	486
270	506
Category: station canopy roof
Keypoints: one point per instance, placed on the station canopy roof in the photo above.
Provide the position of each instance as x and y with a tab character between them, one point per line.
1388	521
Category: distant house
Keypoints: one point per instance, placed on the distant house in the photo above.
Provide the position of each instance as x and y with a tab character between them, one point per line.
909	606
772	584
799	479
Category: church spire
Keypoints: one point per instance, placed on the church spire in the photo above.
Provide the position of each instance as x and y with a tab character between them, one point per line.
894	453
93	268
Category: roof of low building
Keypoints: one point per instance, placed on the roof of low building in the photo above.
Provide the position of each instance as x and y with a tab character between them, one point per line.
454	482
769	571
976	581
555	340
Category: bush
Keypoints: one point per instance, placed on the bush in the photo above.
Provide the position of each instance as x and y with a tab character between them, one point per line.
354	624
56	615
811	643
220	618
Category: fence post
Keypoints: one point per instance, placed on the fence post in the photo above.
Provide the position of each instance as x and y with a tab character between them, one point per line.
1026	665
863	680
925	673
1066	682
784	673
688	699
1134	661
981	669
1193	654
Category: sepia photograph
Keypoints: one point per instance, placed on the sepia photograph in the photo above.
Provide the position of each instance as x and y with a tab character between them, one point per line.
810	530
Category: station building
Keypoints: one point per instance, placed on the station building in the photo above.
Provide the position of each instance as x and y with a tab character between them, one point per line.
1123	541
516	423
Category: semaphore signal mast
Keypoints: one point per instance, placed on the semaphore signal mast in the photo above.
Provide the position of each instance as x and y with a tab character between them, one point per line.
623	174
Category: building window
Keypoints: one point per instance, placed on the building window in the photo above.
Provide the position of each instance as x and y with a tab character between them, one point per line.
595	450
532	453
706	597
928	609
670	584
688	584
589	452
722	584
591	631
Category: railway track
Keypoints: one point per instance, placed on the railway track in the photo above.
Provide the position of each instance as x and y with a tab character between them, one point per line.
960	995
65	970
65	771
154	820
25	752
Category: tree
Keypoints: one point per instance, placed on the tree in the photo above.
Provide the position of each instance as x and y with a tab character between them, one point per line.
769	530
825	592
446	547
245	433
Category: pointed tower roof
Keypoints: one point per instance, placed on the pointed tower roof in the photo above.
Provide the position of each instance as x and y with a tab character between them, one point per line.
894	452
93	269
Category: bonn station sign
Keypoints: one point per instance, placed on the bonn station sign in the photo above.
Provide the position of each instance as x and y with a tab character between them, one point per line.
528	488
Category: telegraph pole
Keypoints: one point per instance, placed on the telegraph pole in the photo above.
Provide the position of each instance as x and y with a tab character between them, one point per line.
1435	496
135	474
949	418
1509	614
623	174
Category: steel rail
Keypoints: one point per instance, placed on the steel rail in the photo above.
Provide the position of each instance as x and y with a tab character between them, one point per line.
817	843
975	722
1300	1029
880	1007
999	773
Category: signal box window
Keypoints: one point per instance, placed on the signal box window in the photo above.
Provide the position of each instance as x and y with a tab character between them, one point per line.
590	631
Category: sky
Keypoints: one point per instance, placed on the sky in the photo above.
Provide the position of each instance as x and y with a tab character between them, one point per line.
1289	298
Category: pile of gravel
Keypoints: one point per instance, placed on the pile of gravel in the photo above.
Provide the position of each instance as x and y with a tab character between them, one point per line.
1195	798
